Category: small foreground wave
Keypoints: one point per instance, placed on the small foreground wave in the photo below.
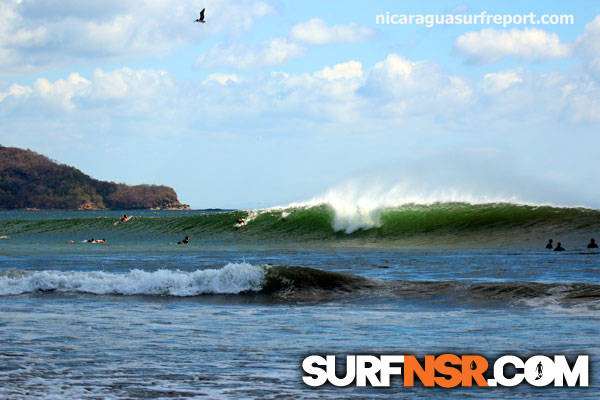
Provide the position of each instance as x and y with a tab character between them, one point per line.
231	279
294	284
509	291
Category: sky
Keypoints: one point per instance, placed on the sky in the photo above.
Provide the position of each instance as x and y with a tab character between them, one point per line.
273	102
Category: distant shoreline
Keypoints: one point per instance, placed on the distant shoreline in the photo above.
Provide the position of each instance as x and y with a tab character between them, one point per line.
31	181
121	209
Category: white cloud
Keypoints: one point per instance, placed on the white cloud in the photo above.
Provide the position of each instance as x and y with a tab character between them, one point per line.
15	90
408	87
270	53
346	97
120	92
497	81
40	35
347	70
62	91
316	31
126	82
222	79
278	51
395	66
490	45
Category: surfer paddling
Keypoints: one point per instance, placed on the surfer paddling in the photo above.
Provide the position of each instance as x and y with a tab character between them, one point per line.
592	244
186	240
92	240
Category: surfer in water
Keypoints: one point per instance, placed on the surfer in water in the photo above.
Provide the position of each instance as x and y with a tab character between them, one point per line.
549	245
92	240
559	247
186	240
592	244
124	219
240	221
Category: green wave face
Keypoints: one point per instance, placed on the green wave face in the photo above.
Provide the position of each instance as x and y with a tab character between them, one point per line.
442	224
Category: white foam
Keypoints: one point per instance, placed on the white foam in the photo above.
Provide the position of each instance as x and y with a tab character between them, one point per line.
359	201
557	305
357	208
252	214
474	176
231	279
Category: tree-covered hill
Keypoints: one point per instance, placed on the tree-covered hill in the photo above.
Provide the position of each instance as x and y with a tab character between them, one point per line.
31	180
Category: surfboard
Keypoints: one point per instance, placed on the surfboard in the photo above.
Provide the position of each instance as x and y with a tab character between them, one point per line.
119	221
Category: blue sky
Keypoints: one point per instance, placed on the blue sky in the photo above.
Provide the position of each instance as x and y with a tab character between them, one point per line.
272	102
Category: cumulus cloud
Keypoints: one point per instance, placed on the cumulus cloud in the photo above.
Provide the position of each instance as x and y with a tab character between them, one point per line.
396	66
222	79
495	82
269	53
404	87
121	92
316	31
38	35
125	82
347	70
346	96
16	91
490	45
62	91
280	50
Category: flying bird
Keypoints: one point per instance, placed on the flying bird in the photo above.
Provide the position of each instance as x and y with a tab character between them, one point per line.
201	19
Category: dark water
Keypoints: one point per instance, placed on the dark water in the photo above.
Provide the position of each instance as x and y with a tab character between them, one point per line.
232	314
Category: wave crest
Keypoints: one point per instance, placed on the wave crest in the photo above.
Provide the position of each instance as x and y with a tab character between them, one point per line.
414	224
233	278
293	283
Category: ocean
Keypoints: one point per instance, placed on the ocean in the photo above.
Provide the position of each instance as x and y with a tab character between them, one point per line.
233	313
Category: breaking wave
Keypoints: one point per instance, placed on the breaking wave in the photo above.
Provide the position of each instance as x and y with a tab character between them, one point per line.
231	279
289	283
430	223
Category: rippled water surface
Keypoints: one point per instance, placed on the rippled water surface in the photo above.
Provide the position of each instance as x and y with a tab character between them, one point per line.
146	319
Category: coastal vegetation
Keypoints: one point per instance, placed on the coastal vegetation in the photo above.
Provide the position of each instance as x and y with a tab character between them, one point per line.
29	180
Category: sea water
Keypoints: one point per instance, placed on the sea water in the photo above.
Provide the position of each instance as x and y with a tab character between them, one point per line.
234	313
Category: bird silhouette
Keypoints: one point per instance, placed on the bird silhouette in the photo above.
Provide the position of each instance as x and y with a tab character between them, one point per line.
201	19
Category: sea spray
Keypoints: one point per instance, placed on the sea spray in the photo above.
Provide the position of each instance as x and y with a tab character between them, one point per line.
356	209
